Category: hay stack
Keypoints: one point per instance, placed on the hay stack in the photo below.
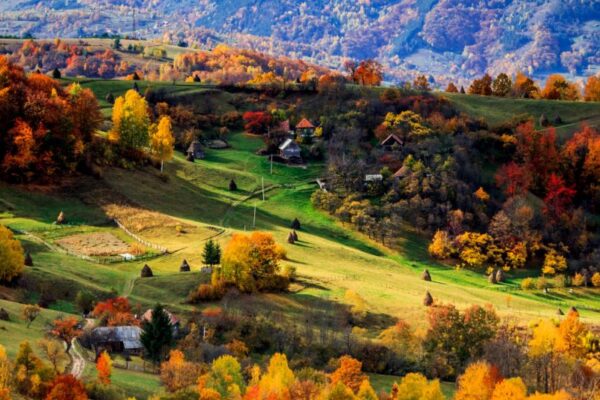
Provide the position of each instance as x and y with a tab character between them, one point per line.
61	219
146	272
428	300
232	186
426	276
492	278
295	236
4	315
500	276
185	267
290	238
28	260
296	224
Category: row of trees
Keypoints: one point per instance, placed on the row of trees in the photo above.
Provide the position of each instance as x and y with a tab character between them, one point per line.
557	87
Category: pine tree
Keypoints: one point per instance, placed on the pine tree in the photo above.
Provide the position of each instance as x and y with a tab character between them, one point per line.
110	98
56	73
157	334
232	186
208	253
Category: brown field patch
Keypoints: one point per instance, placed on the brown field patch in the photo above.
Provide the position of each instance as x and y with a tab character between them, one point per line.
94	244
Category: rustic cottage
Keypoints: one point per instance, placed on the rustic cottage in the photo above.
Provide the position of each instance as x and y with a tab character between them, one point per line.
305	130
290	151
117	339
195	150
392	142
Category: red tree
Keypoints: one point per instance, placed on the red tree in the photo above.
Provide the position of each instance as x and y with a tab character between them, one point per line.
514	179
66	330
558	197
257	122
116	311
538	151
66	387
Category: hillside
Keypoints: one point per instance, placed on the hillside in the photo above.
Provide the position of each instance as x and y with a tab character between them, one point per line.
445	38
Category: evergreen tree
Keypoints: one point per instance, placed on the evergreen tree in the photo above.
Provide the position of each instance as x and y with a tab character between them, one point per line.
56	73
117	43
110	98
157	334
212	253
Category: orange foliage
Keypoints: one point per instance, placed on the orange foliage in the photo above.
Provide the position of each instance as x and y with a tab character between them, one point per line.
477	382
592	89
104	368
66	387
116	311
368	73
66	330
349	373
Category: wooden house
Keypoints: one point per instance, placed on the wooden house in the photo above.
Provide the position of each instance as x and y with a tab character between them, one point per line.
195	150
290	151
117	339
305	130
392	142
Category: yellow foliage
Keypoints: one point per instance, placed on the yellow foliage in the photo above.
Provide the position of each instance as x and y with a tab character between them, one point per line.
544	339
477	383
162	140
510	389
553	262
416	386
12	259
441	246
482	195
6	371
278	378
130	120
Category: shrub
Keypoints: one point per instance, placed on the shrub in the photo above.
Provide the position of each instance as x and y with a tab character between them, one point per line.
596	279
559	281
527	284
289	271
208	292
541	283
578	280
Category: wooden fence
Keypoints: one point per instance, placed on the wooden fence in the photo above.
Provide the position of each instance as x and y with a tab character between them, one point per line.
139	239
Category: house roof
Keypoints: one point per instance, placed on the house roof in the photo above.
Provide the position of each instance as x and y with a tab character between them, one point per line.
287	144
400	172
373	177
284	126
391	137
304	124
194	147
128	335
147	316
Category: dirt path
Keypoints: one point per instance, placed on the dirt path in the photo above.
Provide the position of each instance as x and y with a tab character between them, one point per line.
78	360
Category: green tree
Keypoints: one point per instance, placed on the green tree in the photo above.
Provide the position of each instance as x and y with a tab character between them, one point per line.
225	377
211	255
502	85
157	334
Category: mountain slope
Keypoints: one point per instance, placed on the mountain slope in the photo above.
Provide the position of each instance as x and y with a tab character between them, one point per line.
447	38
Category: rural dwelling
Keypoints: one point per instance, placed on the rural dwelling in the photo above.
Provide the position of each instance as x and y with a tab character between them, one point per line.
175	323
370	178
305	130
392	142
195	150
117	339
290	151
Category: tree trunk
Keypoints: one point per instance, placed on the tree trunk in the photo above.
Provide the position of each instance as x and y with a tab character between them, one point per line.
161	166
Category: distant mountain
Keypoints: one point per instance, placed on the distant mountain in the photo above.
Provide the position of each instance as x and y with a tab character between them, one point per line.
449	39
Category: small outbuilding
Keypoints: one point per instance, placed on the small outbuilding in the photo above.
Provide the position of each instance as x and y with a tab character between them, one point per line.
290	151
305	130
195	150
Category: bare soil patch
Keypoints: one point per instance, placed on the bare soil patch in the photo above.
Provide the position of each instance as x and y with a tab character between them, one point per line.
94	244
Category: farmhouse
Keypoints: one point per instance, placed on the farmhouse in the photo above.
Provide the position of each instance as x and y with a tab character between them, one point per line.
392	142
117	339
195	150
290	151
305	130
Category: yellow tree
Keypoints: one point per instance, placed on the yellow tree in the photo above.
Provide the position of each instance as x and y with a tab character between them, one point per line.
415	386
366	392
513	389
55	353
104	368
542	350
277	380
572	336
130	120
12	259
349	373
162	140
478	382
592	89
177	373
6	371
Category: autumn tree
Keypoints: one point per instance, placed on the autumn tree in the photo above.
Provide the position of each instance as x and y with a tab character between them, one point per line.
441	245
114	312
225	378
502	85
257	122
451	88
482	86
251	262
55	354
513	179
30	312
416	386
66	387
524	86
66	329
421	83
277	380
558	197
478	382
6	374
12	260
592	89
368	73
177	373
157	334
349	373
162	141
558	88
130	120
512	388
104	368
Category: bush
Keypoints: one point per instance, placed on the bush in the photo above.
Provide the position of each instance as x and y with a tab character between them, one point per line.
527	284
559	281
542	283
596	279
98	391
578	280
208	292
289	271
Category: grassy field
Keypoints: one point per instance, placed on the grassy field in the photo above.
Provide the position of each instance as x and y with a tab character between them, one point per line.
498	110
